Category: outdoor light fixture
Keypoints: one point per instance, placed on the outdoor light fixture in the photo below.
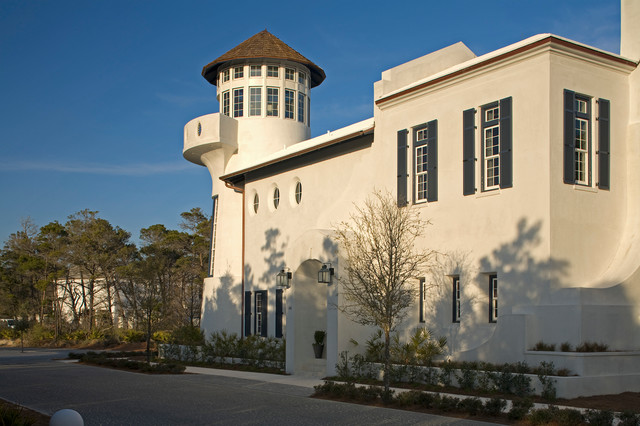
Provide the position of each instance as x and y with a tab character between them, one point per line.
325	274
283	279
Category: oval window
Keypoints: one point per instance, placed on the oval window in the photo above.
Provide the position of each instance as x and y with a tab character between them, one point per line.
276	198
256	203
199	129
298	192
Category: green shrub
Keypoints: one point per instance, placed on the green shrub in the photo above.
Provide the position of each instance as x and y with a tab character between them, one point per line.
548	383
628	418
592	347
542	416
448	403
131	336
494	406
467	376
519	409
541	346
599	418
187	335
161	336
407	399
10	415
566	347
473	405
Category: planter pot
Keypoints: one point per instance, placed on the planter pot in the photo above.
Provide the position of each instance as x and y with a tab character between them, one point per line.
318	350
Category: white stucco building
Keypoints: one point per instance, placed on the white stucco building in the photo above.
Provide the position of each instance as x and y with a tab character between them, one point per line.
526	160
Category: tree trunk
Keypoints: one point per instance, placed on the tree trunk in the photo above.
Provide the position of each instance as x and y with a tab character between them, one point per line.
387	365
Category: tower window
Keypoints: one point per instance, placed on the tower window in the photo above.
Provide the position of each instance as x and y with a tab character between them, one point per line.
238	102
255	101
225	76
225	103
289	74
301	105
272	101
255	71
238	72
272	71
289	103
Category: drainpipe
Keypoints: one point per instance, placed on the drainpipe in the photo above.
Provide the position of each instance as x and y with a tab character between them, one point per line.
240	190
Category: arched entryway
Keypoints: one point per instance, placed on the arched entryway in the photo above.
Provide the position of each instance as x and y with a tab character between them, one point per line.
307	313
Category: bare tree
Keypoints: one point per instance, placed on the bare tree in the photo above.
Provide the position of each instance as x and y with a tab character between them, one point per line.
383	265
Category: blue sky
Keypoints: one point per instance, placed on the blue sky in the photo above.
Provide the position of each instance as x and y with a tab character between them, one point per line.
94	95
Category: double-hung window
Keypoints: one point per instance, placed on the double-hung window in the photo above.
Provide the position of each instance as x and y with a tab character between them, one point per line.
289	103
238	102
495	147
272	101
238	72
456	299
255	101
493	298
301	105
578	137
225	103
425	162
260	317
225	76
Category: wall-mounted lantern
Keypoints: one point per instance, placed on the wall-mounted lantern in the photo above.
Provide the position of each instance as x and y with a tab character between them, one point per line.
325	274
283	278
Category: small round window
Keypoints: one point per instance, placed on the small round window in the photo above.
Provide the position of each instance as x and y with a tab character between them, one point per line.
298	192
199	129
276	198
256	203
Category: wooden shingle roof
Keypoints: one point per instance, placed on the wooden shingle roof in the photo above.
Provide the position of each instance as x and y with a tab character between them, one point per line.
262	45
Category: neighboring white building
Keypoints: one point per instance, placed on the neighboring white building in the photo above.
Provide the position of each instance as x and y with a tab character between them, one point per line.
526	160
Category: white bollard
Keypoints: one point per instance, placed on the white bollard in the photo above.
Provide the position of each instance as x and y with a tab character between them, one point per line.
66	417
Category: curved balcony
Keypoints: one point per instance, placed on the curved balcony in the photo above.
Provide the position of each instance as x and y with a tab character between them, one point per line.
207	133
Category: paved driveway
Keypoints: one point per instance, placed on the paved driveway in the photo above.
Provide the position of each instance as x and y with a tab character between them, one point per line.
110	397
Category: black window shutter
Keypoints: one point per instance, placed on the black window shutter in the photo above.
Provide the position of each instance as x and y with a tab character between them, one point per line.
420	301
604	144
402	168
279	312
569	141
247	313
432	161
506	155
468	152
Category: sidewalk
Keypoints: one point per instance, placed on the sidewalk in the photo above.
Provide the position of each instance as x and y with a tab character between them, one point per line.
292	380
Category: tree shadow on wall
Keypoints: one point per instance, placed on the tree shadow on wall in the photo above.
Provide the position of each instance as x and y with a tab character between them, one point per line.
224	305
274	255
523	278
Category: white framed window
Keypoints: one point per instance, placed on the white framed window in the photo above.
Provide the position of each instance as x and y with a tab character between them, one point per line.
301	105
491	146
456	298
272	101
238	72
225	76
493	298
582	138
272	71
276	198
302	78
255	101
290	74
421	160
238	102
226	101
289	103
255	71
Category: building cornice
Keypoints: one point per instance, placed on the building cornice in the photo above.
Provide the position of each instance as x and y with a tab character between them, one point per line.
510	52
237	176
